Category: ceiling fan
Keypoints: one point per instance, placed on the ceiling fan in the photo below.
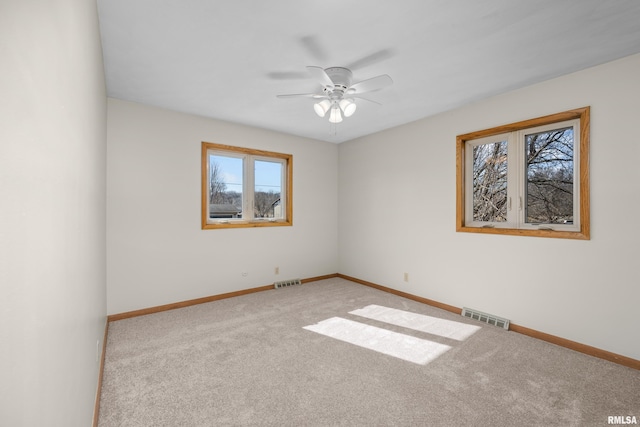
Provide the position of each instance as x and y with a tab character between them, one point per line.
338	93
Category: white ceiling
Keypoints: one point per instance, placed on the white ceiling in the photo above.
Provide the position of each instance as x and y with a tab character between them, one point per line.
229	59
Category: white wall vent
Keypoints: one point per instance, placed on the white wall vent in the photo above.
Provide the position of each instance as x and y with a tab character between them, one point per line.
285	283
485	318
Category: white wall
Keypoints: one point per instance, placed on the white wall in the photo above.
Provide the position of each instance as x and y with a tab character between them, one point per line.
156	251
397	214
52	211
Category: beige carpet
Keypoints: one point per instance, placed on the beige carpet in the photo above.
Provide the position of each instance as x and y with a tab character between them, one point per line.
336	353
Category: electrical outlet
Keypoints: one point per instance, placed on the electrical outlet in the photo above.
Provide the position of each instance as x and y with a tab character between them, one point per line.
406	277
97	351
277	270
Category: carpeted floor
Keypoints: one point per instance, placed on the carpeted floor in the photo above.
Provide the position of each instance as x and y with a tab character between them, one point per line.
275	358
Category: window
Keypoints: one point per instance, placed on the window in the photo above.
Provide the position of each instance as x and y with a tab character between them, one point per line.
242	187
529	178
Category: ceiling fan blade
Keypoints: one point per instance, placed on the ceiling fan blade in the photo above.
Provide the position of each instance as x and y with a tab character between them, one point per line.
302	95
313	46
287	75
369	85
319	74
356	96
378	56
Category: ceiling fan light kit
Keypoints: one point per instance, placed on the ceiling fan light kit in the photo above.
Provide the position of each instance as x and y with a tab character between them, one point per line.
322	107
335	116
338	93
348	106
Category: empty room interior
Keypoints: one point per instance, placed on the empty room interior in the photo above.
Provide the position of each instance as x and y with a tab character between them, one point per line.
421	208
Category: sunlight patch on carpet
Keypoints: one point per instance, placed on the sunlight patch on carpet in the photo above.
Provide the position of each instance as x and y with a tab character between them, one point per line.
391	343
419	322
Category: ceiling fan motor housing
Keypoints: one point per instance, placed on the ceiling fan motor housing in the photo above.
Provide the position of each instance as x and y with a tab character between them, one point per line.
340	76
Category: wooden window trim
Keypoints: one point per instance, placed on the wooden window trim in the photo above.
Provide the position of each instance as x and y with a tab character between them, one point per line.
287	221
583	114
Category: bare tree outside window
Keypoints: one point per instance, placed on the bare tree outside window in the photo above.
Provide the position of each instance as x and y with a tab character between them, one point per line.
222	190
264	203
268	187
217	187
490	182
549	192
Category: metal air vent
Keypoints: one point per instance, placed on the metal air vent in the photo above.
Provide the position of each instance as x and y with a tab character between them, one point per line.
285	283
485	318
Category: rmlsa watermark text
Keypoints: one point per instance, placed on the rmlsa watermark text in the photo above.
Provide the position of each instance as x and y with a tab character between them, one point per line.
622	419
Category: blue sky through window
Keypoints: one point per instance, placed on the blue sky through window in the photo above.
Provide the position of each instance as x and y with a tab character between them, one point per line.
268	175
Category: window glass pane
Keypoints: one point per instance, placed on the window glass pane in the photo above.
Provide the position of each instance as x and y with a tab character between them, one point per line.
490	182
549	189
225	186
268	189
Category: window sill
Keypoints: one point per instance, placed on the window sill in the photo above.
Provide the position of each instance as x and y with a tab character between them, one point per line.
576	235
246	224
